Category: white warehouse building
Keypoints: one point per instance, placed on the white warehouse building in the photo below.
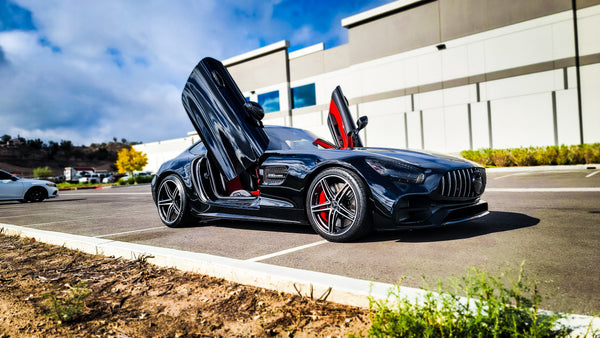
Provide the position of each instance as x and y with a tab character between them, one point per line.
443	75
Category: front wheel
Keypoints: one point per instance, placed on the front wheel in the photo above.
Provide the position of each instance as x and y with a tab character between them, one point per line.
172	203
336	205
36	194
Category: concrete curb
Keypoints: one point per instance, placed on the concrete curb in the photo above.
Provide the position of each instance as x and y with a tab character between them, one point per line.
339	289
546	168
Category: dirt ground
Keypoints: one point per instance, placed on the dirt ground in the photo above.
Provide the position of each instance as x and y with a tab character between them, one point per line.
138	299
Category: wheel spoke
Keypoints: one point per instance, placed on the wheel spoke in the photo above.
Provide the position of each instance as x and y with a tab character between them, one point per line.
172	193
329	195
170	212
344	212
333	218
165	202
176	208
342	192
325	206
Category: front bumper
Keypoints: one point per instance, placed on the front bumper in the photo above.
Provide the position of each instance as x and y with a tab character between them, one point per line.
434	215
52	192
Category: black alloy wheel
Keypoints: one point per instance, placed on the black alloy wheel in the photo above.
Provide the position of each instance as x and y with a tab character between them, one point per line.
336	205
36	194
172	203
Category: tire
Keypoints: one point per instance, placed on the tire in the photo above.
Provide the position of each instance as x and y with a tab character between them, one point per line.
336	205
36	194
171	202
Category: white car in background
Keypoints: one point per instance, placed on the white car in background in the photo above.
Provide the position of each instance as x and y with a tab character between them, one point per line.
90	178
25	190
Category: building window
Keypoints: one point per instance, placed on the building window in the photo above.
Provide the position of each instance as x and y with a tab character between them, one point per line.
269	101
304	96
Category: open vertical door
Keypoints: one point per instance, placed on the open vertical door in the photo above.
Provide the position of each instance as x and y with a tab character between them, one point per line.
230	127
340	122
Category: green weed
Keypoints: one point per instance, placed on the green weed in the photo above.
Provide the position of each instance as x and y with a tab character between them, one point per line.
475	305
67	308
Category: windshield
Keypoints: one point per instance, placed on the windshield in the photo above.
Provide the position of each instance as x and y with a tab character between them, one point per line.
284	138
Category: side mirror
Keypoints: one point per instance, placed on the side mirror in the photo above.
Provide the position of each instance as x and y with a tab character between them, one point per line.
361	122
255	110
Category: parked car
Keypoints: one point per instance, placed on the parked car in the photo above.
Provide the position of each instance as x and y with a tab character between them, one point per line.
25	190
90	178
243	170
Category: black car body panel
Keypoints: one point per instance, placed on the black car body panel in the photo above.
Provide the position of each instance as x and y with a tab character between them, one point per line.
242	170
229	126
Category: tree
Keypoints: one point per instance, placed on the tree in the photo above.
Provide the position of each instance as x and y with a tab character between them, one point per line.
130	160
42	172
5	138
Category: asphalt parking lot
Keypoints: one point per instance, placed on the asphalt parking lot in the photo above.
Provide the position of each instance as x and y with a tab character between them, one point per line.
550	219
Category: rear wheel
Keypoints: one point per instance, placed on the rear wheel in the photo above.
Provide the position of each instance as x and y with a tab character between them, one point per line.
172	203
36	194
336	205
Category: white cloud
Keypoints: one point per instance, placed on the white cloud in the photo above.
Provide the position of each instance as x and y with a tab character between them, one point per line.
93	70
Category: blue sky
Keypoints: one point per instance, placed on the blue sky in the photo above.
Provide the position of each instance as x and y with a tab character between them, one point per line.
88	70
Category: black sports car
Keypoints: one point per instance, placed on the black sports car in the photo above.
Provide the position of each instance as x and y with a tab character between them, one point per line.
243	170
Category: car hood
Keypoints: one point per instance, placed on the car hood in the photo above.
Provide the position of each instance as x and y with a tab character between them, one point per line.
32	181
419	158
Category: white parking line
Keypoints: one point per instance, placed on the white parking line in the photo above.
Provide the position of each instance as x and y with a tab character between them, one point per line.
509	175
283	252
28	215
129	232
82	219
542	190
592	174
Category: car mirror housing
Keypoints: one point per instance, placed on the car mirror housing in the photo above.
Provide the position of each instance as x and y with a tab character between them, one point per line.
255	110
362	122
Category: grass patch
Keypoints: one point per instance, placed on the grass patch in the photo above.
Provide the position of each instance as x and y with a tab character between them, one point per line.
475	305
532	156
67	185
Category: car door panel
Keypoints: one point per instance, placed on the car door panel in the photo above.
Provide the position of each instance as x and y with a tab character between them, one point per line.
340	122
229	127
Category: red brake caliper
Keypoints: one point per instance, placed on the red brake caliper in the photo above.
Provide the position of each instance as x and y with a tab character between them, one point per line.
322	200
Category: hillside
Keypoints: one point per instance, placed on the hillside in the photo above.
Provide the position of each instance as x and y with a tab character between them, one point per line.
22	157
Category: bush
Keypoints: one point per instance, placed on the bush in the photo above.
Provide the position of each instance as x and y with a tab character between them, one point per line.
143	179
491	309
42	172
550	155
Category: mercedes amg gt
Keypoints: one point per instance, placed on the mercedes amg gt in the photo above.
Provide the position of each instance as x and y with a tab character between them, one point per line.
242	170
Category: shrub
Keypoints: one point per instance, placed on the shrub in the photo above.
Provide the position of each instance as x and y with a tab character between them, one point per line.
491	309
501	158
42	172
523	156
550	155
143	179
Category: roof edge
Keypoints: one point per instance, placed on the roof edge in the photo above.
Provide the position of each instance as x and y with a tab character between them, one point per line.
257	52
307	50
386	9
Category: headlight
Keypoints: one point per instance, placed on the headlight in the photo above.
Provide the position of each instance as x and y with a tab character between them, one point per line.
397	170
50	184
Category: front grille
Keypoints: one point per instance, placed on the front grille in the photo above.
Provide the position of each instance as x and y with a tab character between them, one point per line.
463	183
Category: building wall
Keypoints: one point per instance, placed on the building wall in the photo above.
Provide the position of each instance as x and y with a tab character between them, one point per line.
162	151
505	77
511	86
